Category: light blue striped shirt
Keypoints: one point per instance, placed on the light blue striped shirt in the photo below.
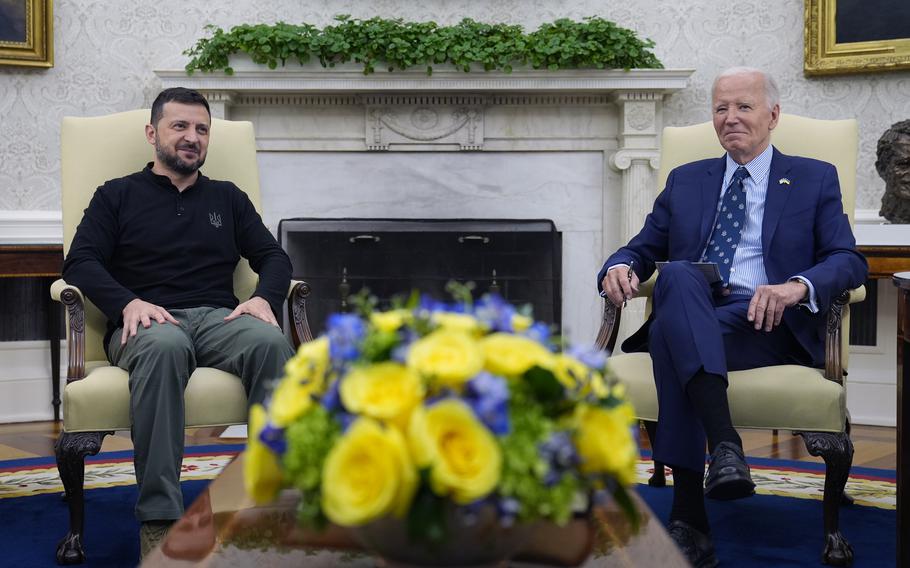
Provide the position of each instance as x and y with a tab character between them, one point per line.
748	270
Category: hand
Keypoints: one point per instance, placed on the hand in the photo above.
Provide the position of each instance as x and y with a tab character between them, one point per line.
256	307
617	285
139	311
767	306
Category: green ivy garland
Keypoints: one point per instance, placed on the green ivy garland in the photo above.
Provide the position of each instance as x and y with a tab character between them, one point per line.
563	44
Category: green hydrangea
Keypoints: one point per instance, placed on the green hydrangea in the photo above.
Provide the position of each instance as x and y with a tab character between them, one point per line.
309	440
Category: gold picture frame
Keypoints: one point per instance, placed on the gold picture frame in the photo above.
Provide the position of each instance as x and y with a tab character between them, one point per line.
27	33
824	55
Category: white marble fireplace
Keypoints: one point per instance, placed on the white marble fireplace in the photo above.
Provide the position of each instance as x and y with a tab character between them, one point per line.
577	147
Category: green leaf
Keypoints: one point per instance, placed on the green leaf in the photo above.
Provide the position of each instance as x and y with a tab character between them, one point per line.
592	43
426	517
544	385
624	500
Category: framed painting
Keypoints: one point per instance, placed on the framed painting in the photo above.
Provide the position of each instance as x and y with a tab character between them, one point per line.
856	36
27	33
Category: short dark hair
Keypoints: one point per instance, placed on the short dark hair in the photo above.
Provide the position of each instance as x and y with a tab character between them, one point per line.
886	152
177	95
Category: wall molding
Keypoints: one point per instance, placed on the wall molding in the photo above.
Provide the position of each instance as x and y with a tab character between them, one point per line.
25	384
30	227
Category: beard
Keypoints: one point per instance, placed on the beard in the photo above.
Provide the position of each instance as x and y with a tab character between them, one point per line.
174	162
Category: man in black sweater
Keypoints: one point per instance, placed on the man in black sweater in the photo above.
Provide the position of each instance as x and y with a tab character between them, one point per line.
156	252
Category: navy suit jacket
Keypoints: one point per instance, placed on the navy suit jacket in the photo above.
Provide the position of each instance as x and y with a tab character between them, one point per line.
804	232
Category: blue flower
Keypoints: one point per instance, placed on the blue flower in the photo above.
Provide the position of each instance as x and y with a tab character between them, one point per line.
488	397
559	453
406	336
345	332
495	312
428	305
331	400
539	332
592	357
273	438
508	509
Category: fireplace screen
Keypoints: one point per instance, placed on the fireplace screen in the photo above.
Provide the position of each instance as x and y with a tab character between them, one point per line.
520	259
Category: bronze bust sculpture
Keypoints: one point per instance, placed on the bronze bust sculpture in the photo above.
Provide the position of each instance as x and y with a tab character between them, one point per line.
893	165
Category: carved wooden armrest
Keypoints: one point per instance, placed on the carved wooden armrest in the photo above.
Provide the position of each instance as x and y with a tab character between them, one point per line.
300	327
834	362
72	298
609	325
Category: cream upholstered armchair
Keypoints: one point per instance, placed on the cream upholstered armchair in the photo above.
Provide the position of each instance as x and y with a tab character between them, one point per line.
96	396
808	401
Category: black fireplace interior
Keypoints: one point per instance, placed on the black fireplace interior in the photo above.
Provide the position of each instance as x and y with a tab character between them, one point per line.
521	259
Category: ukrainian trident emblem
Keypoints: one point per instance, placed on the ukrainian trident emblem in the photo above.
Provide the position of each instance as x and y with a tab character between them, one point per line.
215	220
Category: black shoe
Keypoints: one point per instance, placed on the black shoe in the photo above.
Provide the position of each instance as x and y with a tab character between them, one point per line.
695	545
728	474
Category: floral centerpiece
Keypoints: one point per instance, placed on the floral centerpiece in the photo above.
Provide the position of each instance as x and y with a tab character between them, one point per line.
433	416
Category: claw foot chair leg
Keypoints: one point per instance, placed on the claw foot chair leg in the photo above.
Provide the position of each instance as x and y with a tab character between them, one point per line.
837	451
71	450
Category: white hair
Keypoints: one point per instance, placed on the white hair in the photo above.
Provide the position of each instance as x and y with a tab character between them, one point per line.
772	94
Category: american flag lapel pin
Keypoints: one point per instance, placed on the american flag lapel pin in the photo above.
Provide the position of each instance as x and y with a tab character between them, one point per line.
783	181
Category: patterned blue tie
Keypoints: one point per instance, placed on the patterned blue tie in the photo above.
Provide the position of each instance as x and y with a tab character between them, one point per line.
729	226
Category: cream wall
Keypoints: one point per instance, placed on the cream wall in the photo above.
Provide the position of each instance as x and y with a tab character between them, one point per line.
105	51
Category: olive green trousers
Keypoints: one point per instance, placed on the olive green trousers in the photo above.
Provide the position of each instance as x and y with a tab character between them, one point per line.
159	361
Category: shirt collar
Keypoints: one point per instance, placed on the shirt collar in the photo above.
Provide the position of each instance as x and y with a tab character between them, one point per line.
758	168
165	181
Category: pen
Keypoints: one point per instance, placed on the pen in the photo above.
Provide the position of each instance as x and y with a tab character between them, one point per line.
629	276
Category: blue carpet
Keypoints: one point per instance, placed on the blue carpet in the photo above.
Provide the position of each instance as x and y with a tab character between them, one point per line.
762	531
30	527
783	532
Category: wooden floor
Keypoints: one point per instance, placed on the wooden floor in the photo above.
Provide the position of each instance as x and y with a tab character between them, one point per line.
875	446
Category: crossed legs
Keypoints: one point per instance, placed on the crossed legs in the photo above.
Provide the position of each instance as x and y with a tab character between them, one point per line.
694	339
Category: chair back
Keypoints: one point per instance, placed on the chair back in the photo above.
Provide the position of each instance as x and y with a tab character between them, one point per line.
97	149
833	141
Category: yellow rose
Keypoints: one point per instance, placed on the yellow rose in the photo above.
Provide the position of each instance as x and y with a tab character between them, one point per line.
304	377
511	355
605	442
385	391
463	456
447	356
261	470
575	375
521	323
389	321
367	475
456	322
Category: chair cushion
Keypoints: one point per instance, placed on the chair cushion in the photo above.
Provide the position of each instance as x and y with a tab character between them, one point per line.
785	397
101	401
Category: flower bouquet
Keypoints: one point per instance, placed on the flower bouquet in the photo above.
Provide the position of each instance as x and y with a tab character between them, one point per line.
431	427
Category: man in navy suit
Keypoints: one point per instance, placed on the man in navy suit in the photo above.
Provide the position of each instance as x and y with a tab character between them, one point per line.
776	227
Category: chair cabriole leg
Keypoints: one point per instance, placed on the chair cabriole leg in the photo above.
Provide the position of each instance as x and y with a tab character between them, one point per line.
71	450
837	451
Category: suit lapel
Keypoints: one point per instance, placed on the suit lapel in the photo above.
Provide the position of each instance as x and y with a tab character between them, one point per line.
775	199
710	194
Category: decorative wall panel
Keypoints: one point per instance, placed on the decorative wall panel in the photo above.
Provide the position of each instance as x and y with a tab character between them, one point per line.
105	51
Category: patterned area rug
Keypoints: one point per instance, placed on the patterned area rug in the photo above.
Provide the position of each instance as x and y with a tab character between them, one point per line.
805	480
780	527
28	477
800	480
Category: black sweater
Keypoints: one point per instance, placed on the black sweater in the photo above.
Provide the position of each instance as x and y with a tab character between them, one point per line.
142	238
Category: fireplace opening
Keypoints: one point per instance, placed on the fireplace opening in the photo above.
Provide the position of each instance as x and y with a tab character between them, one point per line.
518	258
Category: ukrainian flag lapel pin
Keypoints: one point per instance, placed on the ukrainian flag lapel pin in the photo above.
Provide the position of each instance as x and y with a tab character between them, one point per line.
783	181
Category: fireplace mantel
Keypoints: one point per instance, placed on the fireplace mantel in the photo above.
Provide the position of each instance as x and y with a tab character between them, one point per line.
609	117
349	78
459	106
